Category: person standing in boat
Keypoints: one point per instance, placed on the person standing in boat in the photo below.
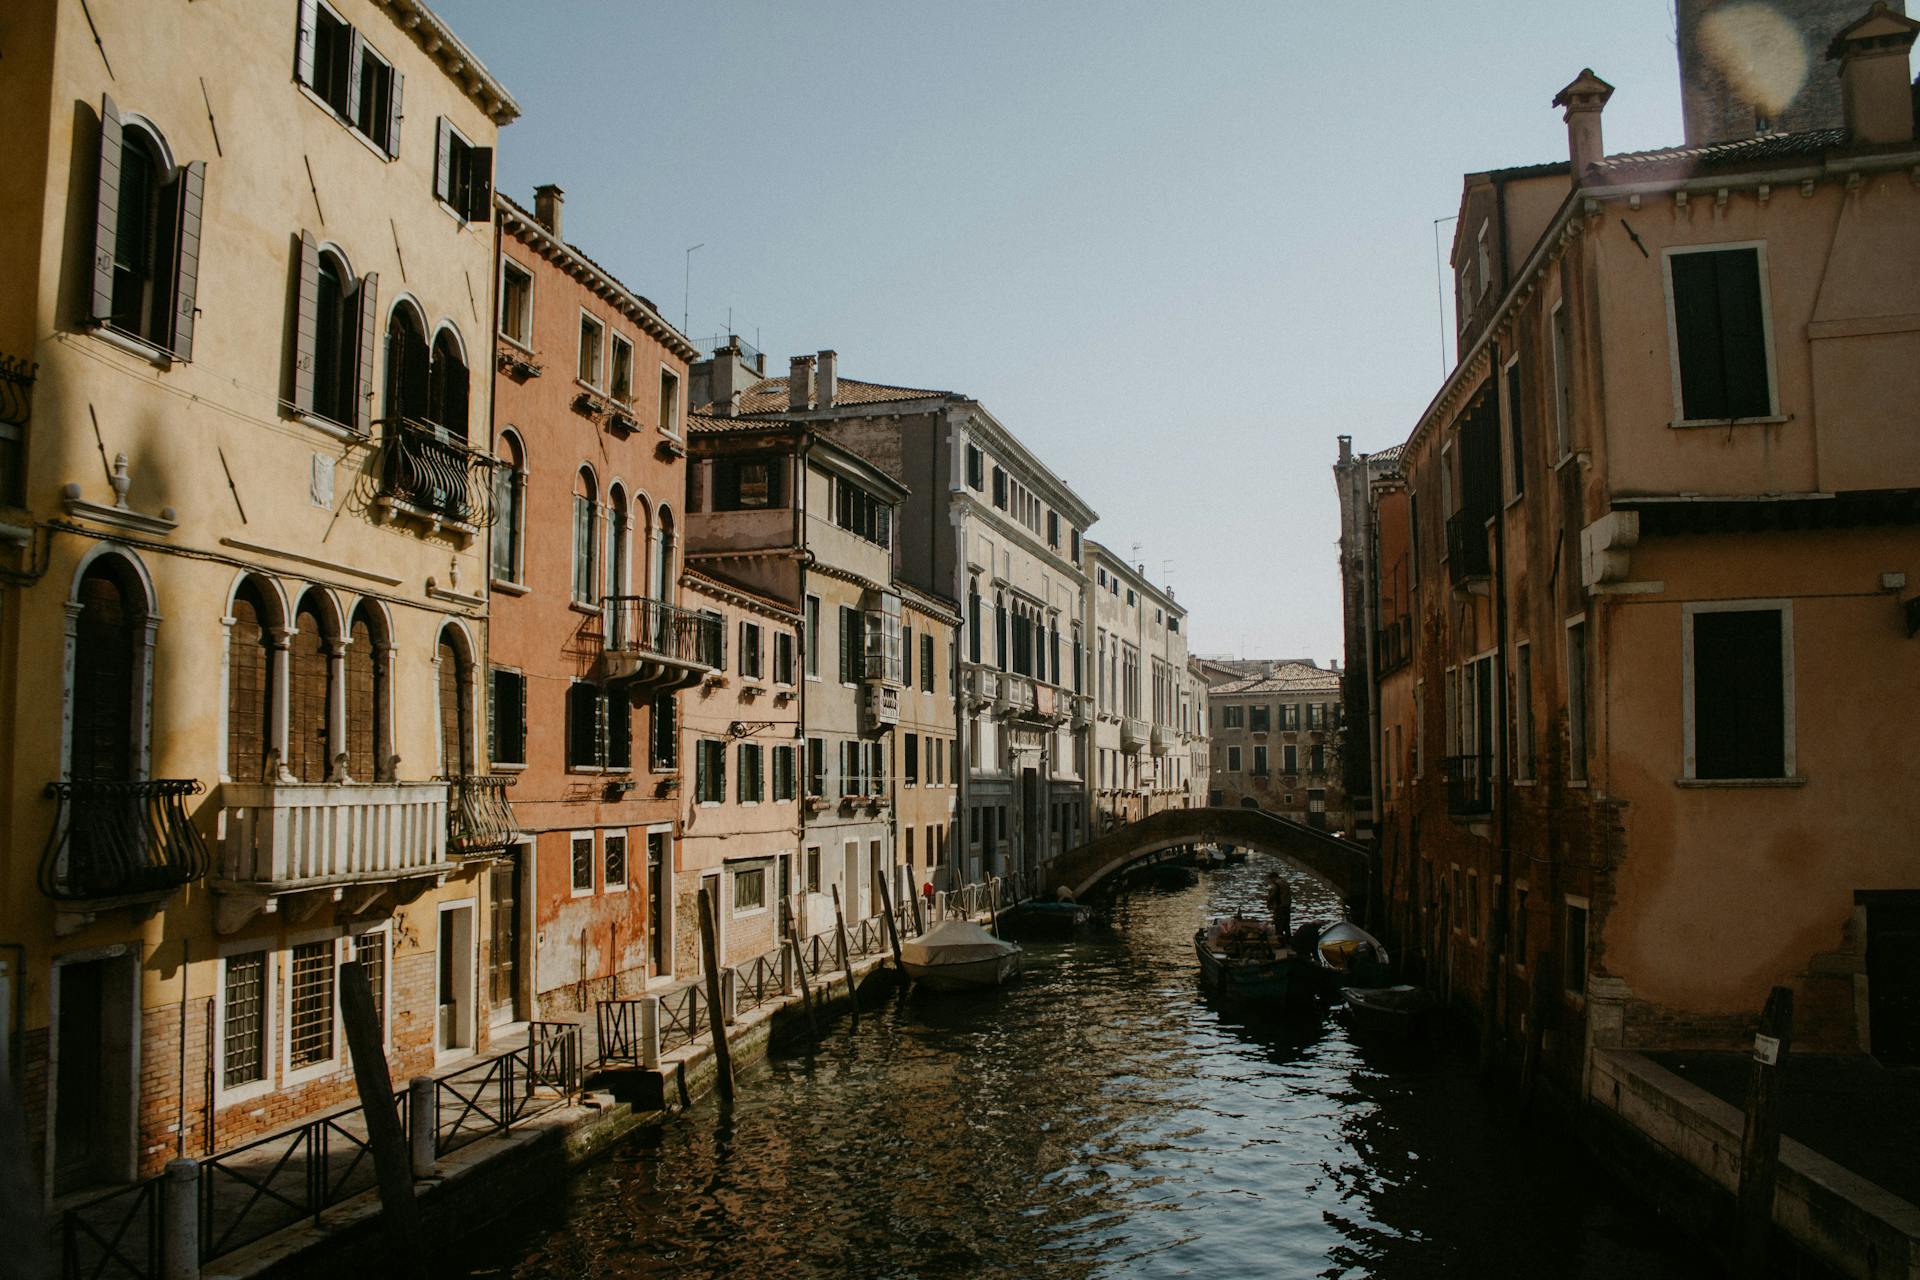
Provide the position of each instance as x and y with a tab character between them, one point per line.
1279	903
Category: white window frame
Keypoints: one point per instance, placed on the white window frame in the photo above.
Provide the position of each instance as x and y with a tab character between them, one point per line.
1234	759
1667	256
593	863
600	358
452	211
509	264
1790	768
679	405
616	340
1483	260
1574	901
622	834
327	1066
223	1094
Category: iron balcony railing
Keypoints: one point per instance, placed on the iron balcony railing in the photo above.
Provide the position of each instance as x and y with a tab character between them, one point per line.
121	839
655	629
480	821
1469	784
1467	554
424	472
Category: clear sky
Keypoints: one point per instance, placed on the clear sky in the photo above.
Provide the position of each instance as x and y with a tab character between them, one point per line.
1177	248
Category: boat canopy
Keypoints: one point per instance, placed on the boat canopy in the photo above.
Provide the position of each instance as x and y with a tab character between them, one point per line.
954	942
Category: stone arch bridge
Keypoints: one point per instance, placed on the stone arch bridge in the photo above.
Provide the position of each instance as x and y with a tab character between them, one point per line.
1341	863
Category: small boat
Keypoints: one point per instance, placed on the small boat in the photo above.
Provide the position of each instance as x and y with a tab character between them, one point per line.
1390	1013
1244	957
1170	875
1051	918
1230	854
1352	957
958	955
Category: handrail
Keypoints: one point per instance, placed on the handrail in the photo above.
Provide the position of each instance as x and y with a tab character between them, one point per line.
422	469
114	839
492	1095
480	821
644	625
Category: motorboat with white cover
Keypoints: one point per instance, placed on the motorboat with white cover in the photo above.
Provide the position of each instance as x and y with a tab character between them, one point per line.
958	955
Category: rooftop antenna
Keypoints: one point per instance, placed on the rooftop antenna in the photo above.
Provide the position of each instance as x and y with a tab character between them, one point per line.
686	282
1440	290
1139	565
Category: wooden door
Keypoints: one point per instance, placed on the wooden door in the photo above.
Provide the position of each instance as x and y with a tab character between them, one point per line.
455	726
364	701
105	643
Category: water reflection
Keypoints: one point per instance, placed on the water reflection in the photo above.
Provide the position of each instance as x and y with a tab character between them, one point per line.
1099	1118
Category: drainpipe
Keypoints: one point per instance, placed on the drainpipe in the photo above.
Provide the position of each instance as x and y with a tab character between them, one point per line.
798	485
1497	918
1364	532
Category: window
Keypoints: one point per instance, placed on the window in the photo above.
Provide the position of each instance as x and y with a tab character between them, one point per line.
926	662
506	719
582	862
812	871
244	1013
1739	661
1577	700
862	514
251	659
748	484
1289	759
1525	754
752	783
447	386
973	620
1317	759
910	760
370	950
750	650
310	748
1260	761
1520	927
1719	328
906	656
669	403
1233	717
1483	260
811	641
1562	383
617	717
999	488
586	537
816	767
1075	546
1053	530
783	773
1574	961
584	705
852	645
1516	435
613	855
333	357
663	747
310	1005
1233	759
620	384
783	657
976	465
750	890
463	175
1261	719
1473	904
509	511
710	772
593	340
516	302
146	259
345	72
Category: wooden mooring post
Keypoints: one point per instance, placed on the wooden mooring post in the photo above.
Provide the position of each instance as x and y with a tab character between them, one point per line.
716	1014
392	1154
800	968
1760	1136
846	953
893	928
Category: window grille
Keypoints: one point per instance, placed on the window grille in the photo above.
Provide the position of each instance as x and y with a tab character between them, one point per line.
370	949
245	1058
616	859
311	1017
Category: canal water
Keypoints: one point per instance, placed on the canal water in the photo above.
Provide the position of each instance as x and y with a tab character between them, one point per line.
1099	1117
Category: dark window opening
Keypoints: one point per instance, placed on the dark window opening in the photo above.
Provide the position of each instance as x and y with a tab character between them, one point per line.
1720	333
1739	695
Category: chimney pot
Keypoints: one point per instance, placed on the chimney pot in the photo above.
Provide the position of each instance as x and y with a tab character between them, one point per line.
1584	100
800	382
1876	95
827	385
547	201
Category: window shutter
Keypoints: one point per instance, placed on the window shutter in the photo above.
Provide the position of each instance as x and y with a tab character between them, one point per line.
186	278
306	309
354	63
443	162
107	211
305	40
479	185
367	297
393	113
1696	322
1742	334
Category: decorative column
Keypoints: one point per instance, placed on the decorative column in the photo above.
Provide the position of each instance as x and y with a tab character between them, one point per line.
282	696
337	710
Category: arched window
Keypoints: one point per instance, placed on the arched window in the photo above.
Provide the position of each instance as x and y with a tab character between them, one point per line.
250	659
367	697
310	743
1000	629
145	232
663	557
456	717
586	537
336	340
973	620
509	509
447	388
407	363
618	522
108	673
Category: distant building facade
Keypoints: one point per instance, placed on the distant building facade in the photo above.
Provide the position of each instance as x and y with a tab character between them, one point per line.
1146	708
1276	740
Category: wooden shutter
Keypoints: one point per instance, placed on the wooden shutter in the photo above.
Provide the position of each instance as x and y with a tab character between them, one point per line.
191	188
479	192
393	114
249	690
310	678
367	294
363	701
1743	347
619	715
306	322
305	40
453	712
354	64
106	223
443	162
103	681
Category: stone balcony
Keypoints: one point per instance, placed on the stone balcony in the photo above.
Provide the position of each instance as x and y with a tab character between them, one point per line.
1134	734
1161	740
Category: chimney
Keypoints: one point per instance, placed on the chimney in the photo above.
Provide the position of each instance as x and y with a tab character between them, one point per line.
1875	96
800	383
1584	99
1346	449
829	380
546	207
